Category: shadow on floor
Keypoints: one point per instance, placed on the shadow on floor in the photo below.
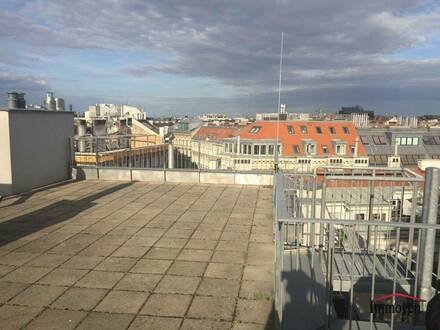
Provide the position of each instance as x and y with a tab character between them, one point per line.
50	215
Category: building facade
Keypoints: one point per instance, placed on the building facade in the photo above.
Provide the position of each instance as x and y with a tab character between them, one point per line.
302	146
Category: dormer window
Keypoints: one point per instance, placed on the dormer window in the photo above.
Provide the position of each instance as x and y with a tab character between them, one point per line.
310	148
332	130
290	130
345	130
318	130
340	149
296	149
353	149
324	149
255	129
303	129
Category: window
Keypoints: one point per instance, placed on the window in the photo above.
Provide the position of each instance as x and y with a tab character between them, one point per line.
290	130
249	149
311	148
345	130
353	149
263	150
303	130
359	216
332	130
407	141
340	148
295	149
256	150
230	147
271	149
226	147
379	140
324	149
429	140
318	130
255	129
364	140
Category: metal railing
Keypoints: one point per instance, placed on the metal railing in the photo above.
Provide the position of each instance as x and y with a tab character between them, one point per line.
150	152
368	232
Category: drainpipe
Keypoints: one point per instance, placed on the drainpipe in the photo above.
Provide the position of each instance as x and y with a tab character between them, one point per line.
429	216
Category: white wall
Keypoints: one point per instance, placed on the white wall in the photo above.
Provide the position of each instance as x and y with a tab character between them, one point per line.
39	148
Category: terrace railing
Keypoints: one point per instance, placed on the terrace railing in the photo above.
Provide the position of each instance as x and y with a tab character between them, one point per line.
359	235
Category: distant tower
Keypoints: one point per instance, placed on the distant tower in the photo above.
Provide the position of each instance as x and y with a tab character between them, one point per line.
16	100
70	108
59	104
50	103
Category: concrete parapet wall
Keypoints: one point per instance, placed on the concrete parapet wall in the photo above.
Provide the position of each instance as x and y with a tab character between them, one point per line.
175	175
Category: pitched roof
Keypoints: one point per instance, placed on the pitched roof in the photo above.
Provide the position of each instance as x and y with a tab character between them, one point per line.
293	133
215	132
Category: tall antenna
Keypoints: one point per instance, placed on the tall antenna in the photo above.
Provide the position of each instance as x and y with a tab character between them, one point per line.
276	153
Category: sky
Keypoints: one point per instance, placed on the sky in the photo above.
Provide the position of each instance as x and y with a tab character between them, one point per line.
177	57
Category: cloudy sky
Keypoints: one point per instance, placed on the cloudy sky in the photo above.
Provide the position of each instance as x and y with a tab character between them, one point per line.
195	56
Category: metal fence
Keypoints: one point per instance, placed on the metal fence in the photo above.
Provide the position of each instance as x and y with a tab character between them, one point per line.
148	151
360	234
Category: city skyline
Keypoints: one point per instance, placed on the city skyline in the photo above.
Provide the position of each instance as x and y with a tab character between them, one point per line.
193	58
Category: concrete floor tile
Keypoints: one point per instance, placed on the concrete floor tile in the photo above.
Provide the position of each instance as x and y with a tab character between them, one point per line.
166	305
254	311
17	258
201	244
99	280
63	277
82	262
162	253
38	295
226	271
234	257
195	255
218	287
15	317
116	264
258	273
155	323
175	243
187	268
192	324
25	274
138	282
9	290
151	266
124	302
214	308
105	321
48	260
130	251
257	290
178	284
56	319
79	299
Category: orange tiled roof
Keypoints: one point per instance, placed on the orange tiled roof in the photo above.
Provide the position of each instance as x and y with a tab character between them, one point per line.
216	133
268	131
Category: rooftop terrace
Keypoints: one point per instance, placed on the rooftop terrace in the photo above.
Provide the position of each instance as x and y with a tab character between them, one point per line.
100	254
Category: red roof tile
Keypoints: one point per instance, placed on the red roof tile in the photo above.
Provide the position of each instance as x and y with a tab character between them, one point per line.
216	133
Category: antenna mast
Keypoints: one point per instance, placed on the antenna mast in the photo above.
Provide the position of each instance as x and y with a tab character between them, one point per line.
276	153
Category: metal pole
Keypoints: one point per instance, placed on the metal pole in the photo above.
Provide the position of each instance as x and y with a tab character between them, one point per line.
429	216
170	156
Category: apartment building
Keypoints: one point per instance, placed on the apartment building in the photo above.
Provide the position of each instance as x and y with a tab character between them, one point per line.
302	146
207	146
400	146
